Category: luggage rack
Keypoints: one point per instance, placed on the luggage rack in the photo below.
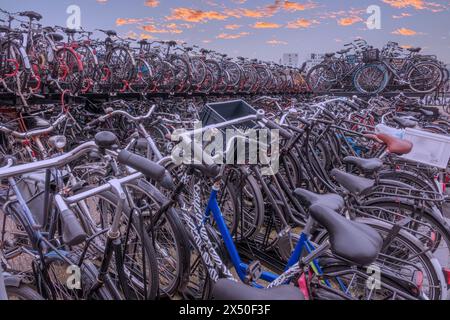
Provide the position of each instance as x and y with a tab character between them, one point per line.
409	193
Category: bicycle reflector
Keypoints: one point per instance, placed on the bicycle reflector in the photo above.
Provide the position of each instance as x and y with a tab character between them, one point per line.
446	275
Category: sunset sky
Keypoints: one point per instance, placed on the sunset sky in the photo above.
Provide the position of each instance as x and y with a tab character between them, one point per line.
262	29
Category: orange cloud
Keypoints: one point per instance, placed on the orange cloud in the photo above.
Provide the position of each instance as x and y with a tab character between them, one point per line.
232	36
232	26
170	28
416	4
276	42
402	15
301	23
348	21
146	36
261	12
152	3
405	32
295	6
124	21
266	25
192	15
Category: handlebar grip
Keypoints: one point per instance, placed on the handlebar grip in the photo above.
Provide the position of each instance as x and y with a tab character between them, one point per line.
150	169
283	132
72	232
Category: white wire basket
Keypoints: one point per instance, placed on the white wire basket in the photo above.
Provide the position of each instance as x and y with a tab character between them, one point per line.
429	148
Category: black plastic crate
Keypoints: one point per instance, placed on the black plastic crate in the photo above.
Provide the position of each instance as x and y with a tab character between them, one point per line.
371	55
218	112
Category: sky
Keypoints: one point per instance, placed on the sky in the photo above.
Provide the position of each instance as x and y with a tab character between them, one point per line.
263	29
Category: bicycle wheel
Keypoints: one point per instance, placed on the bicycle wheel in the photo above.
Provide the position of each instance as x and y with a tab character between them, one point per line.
122	66
168	235
404	265
371	79
432	232
138	254
68	70
22	292
197	71
424	77
144	76
319	78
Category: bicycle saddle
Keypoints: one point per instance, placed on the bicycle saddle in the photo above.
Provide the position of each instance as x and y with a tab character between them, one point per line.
426	112
353	241
70	31
226	289
31	15
303	66
354	184
343	51
142	42
55	36
329	55
330	200
37	122
395	145
110	33
405	123
417	49
5	29
141	145
365	165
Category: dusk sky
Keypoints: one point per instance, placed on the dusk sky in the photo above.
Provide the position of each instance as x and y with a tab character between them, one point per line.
262	29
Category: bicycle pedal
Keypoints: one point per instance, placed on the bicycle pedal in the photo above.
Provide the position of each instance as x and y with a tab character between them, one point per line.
254	271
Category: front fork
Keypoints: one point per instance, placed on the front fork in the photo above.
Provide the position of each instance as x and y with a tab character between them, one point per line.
114	245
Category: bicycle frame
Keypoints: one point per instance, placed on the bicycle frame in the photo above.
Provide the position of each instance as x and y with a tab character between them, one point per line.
241	267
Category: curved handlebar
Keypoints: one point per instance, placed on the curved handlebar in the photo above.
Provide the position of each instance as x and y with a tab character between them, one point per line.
33	133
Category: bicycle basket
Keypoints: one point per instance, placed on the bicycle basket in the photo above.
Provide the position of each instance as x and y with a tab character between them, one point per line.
371	55
351	58
218	112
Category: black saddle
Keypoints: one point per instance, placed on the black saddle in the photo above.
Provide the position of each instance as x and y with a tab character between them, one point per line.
365	165
36	122
353	241
55	36
141	145
31	15
427	113
344	51
303	66
5	29
329	55
110	33
414	49
225	289
330	200
405	123
354	184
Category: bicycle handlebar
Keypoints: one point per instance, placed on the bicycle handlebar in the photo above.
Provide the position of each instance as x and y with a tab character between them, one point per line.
125	114
33	133
6	172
